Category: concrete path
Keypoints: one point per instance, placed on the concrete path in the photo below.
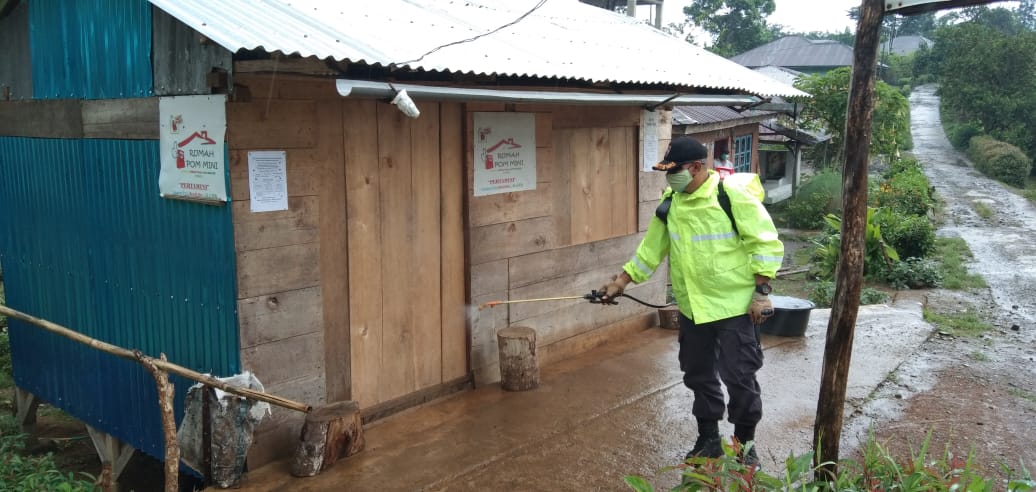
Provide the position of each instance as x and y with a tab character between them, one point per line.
620	409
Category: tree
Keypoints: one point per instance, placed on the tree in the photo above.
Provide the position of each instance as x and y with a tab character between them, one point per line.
826	111
738	25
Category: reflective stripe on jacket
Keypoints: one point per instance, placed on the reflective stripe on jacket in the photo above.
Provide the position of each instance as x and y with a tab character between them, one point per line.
712	270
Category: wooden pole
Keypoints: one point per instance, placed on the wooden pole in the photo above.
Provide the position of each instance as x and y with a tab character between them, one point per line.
827	431
165	404
161	364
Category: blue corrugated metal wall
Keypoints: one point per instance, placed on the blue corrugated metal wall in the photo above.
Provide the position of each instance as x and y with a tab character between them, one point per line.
86	242
90	49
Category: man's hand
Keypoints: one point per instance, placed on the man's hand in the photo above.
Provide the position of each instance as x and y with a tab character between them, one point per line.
760	309
612	289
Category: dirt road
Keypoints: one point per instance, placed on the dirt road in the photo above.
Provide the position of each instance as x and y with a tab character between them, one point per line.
973	394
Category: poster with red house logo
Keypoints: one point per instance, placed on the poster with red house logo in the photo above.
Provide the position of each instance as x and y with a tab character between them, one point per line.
191	145
505	152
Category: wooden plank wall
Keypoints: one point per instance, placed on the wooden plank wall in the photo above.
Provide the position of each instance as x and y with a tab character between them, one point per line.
406	245
292	270
567	237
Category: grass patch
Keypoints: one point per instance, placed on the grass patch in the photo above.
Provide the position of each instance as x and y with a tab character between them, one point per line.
983	210
966	323
979	356
951	254
1020	393
19	471
878	469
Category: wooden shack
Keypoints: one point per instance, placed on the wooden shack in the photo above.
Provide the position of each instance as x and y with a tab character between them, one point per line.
365	285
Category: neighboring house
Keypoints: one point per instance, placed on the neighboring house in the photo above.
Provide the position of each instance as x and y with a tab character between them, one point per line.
783	75
359	285
905	45
798	53
755	140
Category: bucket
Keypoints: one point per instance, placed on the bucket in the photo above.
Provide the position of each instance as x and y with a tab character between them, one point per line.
790	317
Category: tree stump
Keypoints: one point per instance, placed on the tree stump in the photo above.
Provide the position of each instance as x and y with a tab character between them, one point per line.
331	432
518	369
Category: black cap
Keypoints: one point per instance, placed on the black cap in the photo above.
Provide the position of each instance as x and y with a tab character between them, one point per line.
681	150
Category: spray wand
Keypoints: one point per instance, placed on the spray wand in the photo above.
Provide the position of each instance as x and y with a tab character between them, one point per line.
595	297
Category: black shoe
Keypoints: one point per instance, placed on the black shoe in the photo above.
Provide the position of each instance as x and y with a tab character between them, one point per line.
706	447
749	458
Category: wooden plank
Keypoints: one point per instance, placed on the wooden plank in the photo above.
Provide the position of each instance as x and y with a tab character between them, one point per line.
278	434
271	124
334	259
510	239
285	360
601	203
125	119
623	179
280	269
308	88
567	348
454	275
489	277
508	207
595	116
651	186
544	165
59	118
363	211
304	172
268	318
562	183
561	262
426	249
392	407
484	325
260	230
544	131
398	213
582	165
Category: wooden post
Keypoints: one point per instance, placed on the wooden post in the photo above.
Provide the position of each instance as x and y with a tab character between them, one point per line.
518	369
827	431
165	405
331	432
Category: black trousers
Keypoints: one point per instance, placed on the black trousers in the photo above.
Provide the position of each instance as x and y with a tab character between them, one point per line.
727	350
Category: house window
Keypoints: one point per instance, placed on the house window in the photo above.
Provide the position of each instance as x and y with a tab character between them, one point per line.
742	154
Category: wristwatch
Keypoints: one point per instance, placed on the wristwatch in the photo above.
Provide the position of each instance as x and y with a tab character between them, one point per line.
763	289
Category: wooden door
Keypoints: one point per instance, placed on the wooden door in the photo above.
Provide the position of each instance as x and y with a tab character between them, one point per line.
404	180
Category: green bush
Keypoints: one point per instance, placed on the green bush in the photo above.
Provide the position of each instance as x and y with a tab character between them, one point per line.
1000	160
906	193
914	273
960	135
878	256
818	196
33	473
901	165
912	236
823	293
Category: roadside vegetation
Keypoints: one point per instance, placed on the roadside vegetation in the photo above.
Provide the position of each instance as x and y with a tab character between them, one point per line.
876	470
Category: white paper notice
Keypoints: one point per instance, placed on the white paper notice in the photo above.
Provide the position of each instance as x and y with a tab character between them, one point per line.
268	180
650	119
505	153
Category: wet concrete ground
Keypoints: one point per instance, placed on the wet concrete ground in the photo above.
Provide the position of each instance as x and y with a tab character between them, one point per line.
621	409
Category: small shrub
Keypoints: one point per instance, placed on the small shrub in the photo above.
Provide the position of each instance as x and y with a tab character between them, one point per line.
807	212
914	273
1000	160
901	165
912	236
906	192
960	135
32	473
823	293
878	255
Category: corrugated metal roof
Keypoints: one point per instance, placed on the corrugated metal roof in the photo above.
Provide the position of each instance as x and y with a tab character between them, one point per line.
704	115
797	51
905	45
561	39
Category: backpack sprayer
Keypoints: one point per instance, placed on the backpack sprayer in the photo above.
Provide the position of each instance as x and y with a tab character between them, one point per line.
595	297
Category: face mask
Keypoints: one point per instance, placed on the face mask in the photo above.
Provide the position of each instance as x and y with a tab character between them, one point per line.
678	181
